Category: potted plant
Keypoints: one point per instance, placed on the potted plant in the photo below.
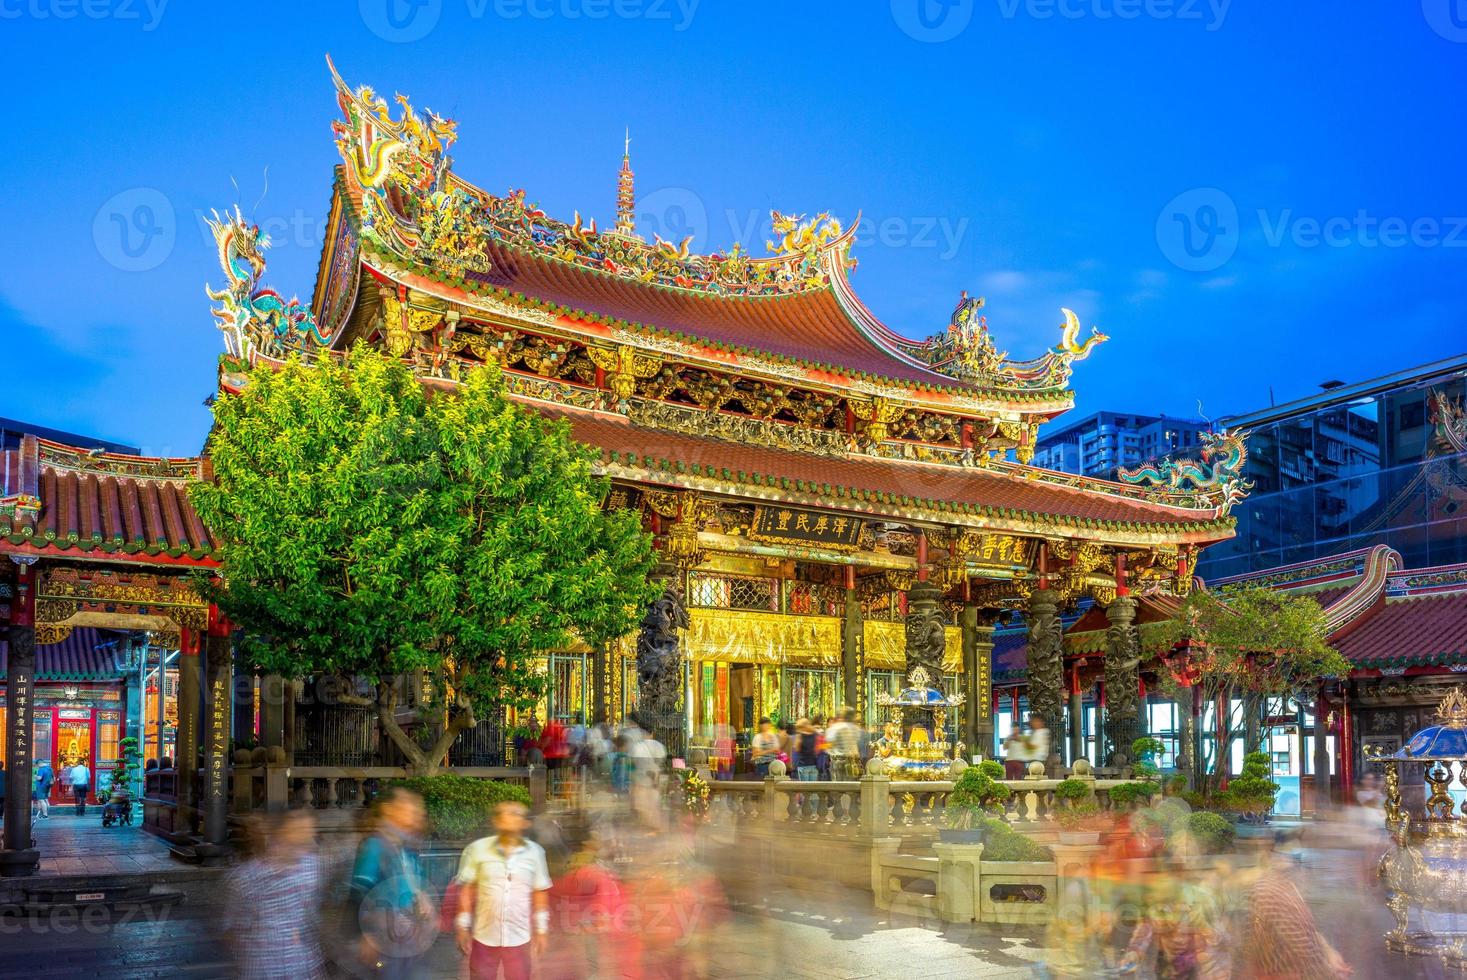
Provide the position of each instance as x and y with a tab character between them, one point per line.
1078	814
1251	795
974	796
1129	796
1145	751
1202	833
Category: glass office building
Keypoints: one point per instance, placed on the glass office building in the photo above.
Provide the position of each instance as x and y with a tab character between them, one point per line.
1379	462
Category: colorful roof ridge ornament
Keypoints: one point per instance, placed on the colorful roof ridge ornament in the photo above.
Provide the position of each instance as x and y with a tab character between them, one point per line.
966	352
1217	477
414	207
1449	422
250	314
626	196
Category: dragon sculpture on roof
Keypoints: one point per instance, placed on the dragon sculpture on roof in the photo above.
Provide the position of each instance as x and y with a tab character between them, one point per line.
249	314
1215	479
966	351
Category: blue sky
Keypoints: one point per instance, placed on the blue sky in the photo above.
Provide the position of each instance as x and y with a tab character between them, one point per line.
1244	195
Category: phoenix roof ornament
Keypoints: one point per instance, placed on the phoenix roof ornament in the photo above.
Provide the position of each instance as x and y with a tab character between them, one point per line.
966	351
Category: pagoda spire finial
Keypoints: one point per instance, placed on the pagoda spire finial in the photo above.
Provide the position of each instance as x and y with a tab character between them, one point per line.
626	198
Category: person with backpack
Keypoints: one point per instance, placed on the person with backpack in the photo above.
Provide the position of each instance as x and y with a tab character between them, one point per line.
395	919
41	791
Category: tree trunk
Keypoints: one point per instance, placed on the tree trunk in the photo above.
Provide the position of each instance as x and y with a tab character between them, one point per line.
422	762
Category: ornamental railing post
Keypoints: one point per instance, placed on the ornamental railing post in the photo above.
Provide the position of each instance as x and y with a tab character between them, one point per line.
875	805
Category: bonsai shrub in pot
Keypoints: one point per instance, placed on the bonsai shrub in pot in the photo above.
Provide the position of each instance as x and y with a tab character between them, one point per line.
1251	795
1128	796
974	796
1146	750
1078	815
1003	843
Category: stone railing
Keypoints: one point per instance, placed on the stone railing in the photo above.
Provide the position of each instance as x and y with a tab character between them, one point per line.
875	806
275	788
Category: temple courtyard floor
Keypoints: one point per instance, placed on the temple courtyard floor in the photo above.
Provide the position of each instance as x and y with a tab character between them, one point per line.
798	929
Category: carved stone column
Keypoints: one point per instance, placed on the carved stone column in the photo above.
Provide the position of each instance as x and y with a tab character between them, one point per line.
1046	668
186	746
18	858
1122	678
660	665
218	678
852	649
977	627
925	632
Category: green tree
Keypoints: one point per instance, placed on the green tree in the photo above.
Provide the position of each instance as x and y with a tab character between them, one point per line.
371	528
1255	643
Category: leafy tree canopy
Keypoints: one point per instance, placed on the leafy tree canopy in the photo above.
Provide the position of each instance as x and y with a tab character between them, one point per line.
1262	640
371	528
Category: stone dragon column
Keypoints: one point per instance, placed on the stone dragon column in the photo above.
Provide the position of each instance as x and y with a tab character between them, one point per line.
661	664
1046	667
1122	678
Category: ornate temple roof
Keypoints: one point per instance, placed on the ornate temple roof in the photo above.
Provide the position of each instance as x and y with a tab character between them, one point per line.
65	501
961	495
410	215
84	654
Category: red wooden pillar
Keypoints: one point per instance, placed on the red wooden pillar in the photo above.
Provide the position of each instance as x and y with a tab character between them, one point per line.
921	556
1345	750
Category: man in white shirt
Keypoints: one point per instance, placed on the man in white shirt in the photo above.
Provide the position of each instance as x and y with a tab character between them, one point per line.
504	908
844	741
81	780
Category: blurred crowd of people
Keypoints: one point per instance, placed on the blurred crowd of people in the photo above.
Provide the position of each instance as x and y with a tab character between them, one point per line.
606	881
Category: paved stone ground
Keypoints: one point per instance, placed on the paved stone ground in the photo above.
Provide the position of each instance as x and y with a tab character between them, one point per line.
72	845
816	930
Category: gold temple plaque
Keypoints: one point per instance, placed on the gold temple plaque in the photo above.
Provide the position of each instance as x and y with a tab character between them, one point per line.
791	525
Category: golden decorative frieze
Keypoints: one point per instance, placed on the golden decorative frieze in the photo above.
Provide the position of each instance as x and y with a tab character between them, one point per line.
735	428
403	326
112	587
877	414
624	366
48	633
900	579
664	503
744	636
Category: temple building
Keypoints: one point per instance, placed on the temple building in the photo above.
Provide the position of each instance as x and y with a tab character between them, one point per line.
824	488
835	504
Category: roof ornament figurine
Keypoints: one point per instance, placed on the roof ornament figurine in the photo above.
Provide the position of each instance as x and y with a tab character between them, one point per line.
414	208
1216	478
966	352
1449	421
250	314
